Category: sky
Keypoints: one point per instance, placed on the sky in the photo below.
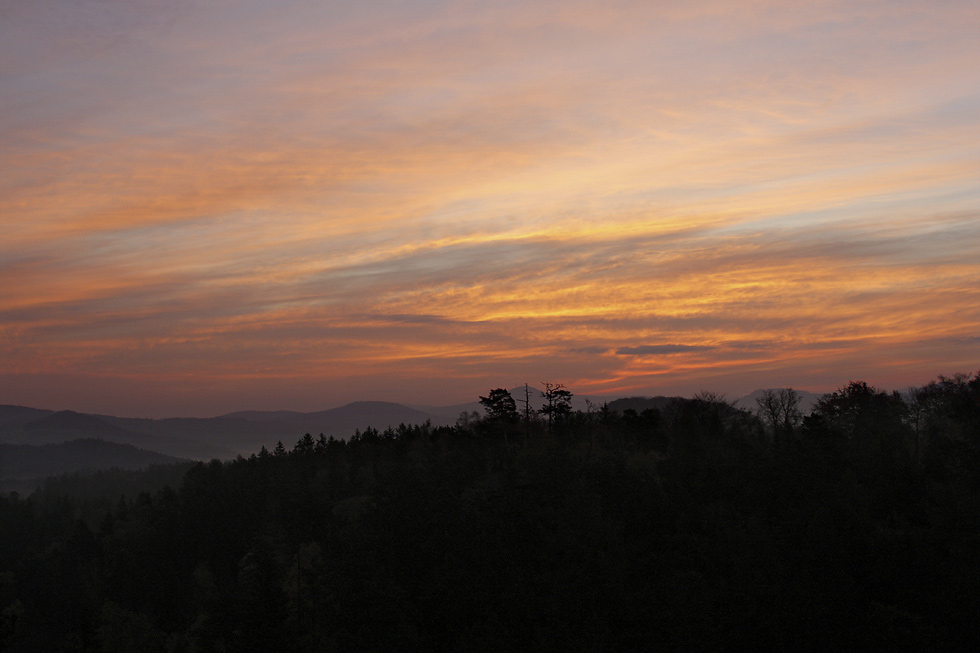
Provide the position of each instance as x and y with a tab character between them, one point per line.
208	206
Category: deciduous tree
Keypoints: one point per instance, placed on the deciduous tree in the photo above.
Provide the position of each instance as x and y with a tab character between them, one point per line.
780	410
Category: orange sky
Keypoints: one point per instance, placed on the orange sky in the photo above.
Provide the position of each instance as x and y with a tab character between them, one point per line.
211	206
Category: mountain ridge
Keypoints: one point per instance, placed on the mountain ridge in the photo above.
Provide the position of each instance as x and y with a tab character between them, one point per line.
244	432
32	461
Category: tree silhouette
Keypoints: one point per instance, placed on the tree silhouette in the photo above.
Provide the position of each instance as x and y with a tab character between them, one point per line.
557	403
868	421
501	410
500	405
952	408
780	410
305	445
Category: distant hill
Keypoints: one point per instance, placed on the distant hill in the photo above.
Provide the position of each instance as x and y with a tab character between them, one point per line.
245	432
807	400
14	417
263	415
49	427
639	404
204	438
56	427
25	461
379	414
258	428
449	414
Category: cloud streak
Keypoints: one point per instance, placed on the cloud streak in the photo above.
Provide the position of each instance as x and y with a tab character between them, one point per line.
661	350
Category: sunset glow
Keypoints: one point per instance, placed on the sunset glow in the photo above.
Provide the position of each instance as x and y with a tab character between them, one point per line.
213	206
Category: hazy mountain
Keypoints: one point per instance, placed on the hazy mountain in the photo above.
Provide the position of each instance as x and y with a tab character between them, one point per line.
263	415
258	428
14	417
807	400
244	432
67	425
449	414
25	461
640	404
205	438
201	438
359	414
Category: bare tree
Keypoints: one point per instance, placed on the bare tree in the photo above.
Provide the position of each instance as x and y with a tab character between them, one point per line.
770	409
557	402
527	414
780	410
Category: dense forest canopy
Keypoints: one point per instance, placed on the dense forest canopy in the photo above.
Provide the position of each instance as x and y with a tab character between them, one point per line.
694	526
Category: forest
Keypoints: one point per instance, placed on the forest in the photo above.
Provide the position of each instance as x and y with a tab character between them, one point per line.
692	526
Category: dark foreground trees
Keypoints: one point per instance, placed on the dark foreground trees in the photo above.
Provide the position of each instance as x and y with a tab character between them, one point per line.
675	529
500	406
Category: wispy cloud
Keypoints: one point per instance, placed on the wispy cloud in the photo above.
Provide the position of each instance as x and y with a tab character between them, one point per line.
309	200
661	350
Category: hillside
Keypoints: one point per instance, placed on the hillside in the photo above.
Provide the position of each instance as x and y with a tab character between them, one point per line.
639	404
24	461
205	438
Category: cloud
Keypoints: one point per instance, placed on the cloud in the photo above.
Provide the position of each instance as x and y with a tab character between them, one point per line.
445	190
589	350
659	350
